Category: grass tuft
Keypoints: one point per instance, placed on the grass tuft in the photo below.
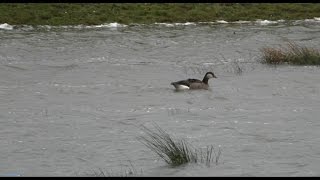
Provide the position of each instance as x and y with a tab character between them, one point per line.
127	172
292	54
176	152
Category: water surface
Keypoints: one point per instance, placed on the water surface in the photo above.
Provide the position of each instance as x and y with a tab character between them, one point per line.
72	99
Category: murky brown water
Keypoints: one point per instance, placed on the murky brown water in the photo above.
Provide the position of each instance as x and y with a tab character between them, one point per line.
72	99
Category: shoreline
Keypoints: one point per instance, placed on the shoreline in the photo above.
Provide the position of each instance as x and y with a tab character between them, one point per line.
6	26
61	14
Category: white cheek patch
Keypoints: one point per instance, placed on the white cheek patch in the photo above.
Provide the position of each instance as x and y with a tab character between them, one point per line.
209	76
182	87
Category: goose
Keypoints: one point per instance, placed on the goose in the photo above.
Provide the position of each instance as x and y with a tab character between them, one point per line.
194	83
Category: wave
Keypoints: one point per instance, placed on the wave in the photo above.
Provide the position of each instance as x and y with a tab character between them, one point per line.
106	25
176	24
115	25
6	26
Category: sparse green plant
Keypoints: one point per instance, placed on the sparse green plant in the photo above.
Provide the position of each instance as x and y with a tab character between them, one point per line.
176	152
292	54
237	69
127	172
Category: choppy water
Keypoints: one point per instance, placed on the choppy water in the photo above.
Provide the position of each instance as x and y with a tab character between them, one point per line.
72	98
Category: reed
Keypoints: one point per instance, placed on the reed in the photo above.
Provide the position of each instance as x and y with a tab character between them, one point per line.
291	54
176	152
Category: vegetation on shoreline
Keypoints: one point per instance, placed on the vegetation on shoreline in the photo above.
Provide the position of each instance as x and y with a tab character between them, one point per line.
146	13
177	152
292	54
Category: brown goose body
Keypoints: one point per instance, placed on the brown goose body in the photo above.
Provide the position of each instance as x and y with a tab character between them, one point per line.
194	83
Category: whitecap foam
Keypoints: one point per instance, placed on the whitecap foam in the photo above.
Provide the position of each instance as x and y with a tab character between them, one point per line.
6	26
222	21
241	22
176	24
46	26
111	25
265	22
185	24
206	22
81	26
315	19
106	25
27	28
308	20
165	24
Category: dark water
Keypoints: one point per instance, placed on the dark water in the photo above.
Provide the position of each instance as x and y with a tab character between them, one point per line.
72	99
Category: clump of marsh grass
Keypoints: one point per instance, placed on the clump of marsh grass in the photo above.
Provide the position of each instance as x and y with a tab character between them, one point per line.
176	152
127	172
237	69
292	54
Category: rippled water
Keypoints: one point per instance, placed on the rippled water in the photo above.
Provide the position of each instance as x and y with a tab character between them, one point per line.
72	99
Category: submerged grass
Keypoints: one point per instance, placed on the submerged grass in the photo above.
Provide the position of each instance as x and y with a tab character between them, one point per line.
176	152
292	54
147	13
103	173
173	152
130	171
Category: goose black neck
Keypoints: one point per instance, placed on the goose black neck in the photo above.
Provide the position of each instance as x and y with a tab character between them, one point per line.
205	80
